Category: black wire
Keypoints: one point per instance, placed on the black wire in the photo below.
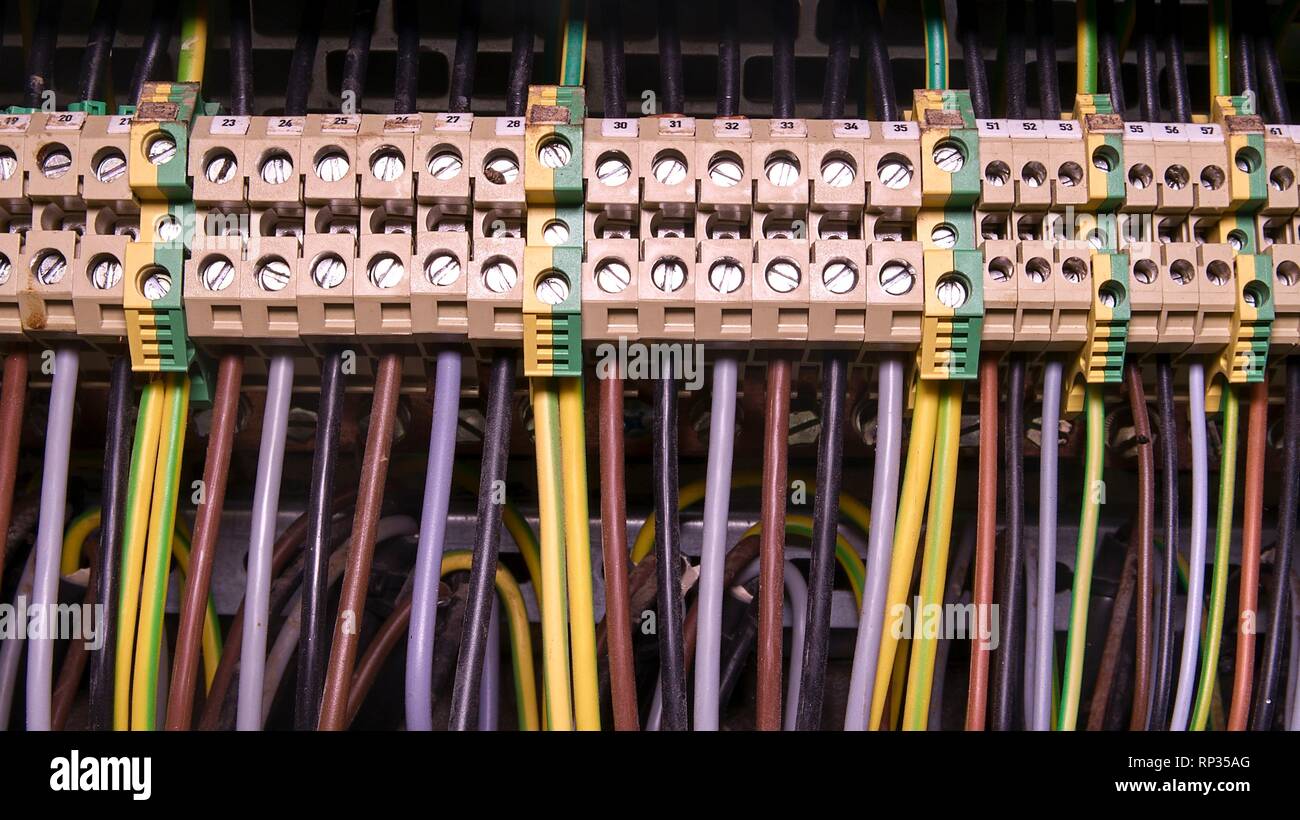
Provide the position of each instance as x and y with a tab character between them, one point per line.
1109	60
1271	82
1148	72
821	570
785	22
357	58
302	64
1014	62
314	644
406	86
521	60
1248	16
99	44
738	644
481	598
108	560
670	60
875	53
154	48
1175	63
1270	668
835	90
615	66
40	52
968	33
465	58
1049	84
728	59
1007	658
1162	680
668	555
241	58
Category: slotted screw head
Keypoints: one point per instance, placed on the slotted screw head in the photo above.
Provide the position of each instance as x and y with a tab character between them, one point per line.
499	275
111	166
445	165
897	277
221	168
156	284
782	275
839	276
782	170
838	172
555	232
218	274
951	292
277	169
56	161
668	169
948	157
105	272
725	171
442	269
387	163
501	169
554	153
50	267
161	150
6	267
332	166
8	164
329	271
553	288
168	228
668	274
612	276
944	235
726	275
895	172
273	274
386	271
613	171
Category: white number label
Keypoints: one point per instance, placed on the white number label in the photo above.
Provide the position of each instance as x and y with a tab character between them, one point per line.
229	125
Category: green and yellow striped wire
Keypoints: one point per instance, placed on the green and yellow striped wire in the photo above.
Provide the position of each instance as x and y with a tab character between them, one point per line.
1093	492
1086	57
1220	50
936	44
573	41
556	679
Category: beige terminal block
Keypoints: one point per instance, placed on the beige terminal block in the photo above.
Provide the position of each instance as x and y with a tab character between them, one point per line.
895	296
611	164
725	288
1002	318
15	210
112	219
1217	296
1285	337
611	290
494	284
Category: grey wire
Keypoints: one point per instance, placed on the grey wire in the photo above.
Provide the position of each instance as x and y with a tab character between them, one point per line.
49	535
489	686
880	542
1043	629
796	589
713	552
1031	618
11	652
266	505
433	533
1196	556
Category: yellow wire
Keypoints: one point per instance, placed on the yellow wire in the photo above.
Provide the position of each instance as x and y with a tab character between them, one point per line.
194	42
693	493
843	553
521	641
555	621
577	538
74	539
916	481
134	537
934	565
176	397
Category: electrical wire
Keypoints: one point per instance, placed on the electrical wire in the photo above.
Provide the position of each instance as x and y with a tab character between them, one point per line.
464	58
836	84
934	562
13	400
241	58
821	571
884	500
117	446
99	46
49	533
1086	50
370	497
12	648
933	13
1148	84
1049	91
487	538
1220	58
1270	666
1252	523
577	538
772	515
154	47
1175	63
521	60
557	693
1196	553
1271	83
875	56
1043	635
1110	54
406	85
668	556
1206	689
613	527
266	504
1163	677
670	59
573	43
968	33
194	41
986	536
1008	653
1145	535
1242	51
357	57
302	63
39	81
1013	63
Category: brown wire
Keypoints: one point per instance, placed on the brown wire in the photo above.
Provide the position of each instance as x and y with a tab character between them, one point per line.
13	390
1146	556
986	536
285	549
613	531
1114	645
365	525
771	553
372	660
77	656
207	526
1243	675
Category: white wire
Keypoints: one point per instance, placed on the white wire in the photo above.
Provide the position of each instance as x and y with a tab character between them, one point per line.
1196	557
1045	609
